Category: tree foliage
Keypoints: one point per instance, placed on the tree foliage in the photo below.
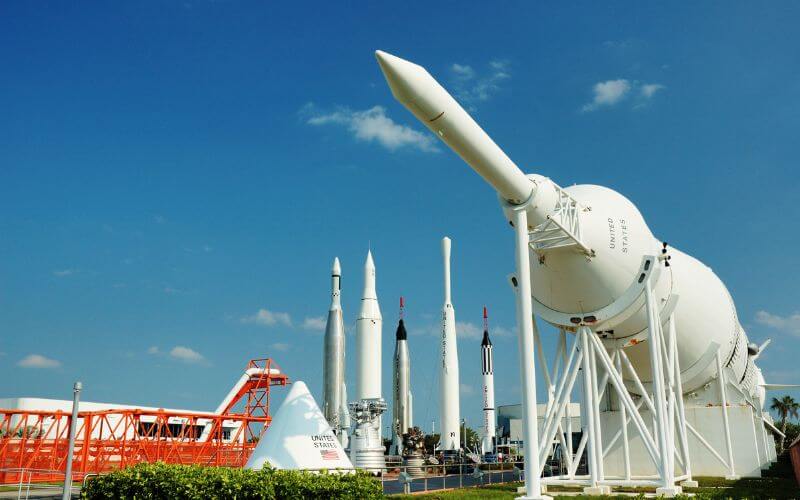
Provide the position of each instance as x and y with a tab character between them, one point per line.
787	408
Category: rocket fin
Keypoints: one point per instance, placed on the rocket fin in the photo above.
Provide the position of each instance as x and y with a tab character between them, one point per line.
776	387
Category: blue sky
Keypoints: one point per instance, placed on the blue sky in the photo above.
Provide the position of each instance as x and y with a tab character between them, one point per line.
176	178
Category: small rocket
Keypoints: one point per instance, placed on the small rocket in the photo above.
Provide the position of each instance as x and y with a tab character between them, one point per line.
334	393
401	409
450	439
487	369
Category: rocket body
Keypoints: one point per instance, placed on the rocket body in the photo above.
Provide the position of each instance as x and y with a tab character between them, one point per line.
368	338
487	371
334	400
571	284
401	388
450	429
366	445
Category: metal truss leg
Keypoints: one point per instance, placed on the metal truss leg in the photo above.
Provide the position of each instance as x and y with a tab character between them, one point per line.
533	486
724	400
689	482
663	423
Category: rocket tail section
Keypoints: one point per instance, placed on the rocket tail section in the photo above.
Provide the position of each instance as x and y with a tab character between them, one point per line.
449	383
410	407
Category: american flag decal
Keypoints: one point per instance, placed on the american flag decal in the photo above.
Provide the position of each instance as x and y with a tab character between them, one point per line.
329	454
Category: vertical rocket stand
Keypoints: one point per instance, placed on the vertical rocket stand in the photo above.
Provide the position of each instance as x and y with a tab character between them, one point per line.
533	485
601	371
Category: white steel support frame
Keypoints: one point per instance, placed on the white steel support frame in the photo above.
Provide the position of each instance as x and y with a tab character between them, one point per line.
724	402
533	486
605	367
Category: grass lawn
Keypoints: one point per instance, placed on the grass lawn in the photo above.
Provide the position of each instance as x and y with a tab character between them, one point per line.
709	488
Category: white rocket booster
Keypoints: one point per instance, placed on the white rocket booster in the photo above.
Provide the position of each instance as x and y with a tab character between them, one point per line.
334	397
401	408
487	369
366	446
368	338
448	381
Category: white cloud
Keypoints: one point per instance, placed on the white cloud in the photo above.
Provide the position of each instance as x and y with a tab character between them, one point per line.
789	324
265	317
612	92
153	350
316	323
61	273
468	330
159	219
186	354
372	125
466	389
608	93
648	90
464	329
463	71
38	361
501	331
280	346
471	87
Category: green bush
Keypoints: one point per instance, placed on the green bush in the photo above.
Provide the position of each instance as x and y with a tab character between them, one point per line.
159	480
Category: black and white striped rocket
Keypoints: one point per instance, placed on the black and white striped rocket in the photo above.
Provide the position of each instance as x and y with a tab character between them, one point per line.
487	370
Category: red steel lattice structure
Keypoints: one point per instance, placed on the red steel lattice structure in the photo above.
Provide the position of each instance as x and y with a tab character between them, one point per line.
36	441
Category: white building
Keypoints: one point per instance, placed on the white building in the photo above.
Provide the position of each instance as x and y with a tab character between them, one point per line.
144	428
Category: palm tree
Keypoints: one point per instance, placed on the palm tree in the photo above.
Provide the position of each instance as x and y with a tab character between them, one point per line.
786	407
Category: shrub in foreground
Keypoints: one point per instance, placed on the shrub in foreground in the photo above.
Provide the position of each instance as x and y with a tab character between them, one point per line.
159	480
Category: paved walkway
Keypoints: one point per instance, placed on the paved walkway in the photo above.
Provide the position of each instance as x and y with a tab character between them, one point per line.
39	492
449	481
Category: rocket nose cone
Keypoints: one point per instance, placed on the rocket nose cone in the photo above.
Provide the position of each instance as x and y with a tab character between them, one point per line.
388	63
401	331
404	77
369	264
337	268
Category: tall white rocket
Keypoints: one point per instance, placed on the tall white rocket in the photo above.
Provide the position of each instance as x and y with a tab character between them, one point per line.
368	338
487	369
334	393
366	446
448	381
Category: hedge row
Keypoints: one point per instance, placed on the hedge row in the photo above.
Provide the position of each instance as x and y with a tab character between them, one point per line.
159	480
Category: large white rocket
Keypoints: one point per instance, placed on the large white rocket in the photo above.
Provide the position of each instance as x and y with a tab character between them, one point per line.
366	444
401	387
450	439
487	370
334	392
595	265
